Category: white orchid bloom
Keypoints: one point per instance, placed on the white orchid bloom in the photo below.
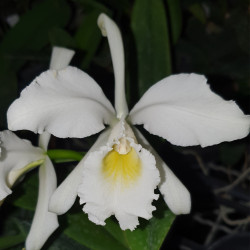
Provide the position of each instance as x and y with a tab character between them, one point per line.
121	170
19	156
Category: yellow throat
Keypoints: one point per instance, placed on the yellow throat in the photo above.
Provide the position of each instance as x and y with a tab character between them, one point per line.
122	165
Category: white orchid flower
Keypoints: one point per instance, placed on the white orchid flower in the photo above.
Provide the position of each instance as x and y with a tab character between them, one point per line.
19	157
120	172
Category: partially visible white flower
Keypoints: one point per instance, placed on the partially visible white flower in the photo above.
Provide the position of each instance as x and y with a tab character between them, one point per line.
12	20
44	222
121	171
19	156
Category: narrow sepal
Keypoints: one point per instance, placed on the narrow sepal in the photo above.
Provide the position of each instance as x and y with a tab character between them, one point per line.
64	196
44	222
175	194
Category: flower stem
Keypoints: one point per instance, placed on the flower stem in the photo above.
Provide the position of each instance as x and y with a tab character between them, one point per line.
62	155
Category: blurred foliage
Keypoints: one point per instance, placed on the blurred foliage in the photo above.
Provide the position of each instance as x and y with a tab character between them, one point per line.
153	50
20	42
161	37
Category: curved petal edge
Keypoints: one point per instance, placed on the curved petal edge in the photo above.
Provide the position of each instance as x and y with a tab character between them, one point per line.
175	194
65	103
183	110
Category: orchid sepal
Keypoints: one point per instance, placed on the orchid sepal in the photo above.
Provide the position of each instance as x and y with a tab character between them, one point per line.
109	29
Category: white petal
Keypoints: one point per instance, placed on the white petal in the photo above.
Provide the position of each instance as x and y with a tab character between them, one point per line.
183	110
64	196
60	58
110	29
44	222
16	154
4	187
174	192
12	20
66	103
126	196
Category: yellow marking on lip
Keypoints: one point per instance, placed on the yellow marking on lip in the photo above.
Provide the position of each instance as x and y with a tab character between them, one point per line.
122	168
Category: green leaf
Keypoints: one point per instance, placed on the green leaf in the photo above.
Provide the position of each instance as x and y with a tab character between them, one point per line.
10	241
27	192
88	234
150	29
175	15
63	242
59	37
114	229
15	223
151	234
148	236
198	11
88	37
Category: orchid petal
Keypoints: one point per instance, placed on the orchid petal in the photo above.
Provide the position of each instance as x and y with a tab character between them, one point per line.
123	186
64	196
110	29
17	153
175	194
60	58
66	103
44	222
183	110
